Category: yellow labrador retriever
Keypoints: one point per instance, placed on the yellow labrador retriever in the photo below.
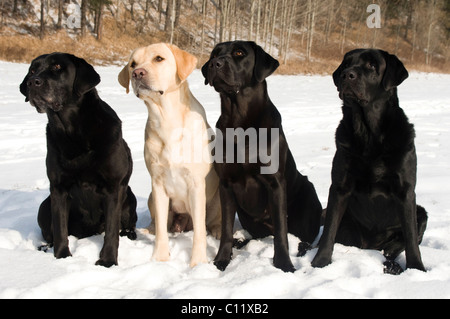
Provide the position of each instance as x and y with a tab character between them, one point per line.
176	147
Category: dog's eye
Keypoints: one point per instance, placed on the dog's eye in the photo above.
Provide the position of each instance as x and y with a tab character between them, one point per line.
133	65
239	53
159	59
371	65
56	67
32	71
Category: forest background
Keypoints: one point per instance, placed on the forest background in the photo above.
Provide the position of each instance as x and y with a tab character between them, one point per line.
306	36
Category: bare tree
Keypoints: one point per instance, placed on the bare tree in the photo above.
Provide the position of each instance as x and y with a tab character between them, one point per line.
431	22
170	19
42	28
312	7
273	21
204	14
60	13
84	5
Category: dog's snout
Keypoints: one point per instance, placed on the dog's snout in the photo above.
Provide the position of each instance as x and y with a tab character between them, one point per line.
217	63
34	81
349	75
139	73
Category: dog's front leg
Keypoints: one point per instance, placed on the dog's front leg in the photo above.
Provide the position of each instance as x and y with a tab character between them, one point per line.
408	219
340	191
337	205
228	204
278	211
197	203
161	207
60	221
112	207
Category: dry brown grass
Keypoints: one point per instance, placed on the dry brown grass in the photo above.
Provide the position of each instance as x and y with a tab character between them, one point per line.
114	48
117	44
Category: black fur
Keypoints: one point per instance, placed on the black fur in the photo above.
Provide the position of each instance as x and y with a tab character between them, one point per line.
267	204
372	201
88	162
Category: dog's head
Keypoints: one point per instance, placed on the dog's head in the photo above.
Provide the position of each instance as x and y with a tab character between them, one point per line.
234	66
156	69
366	74
56	80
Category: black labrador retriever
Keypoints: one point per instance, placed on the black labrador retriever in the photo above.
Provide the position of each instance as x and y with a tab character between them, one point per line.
268	202
372	201
88	162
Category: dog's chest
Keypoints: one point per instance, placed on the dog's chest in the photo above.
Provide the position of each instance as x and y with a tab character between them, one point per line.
175	161
251	197
177	187
385	180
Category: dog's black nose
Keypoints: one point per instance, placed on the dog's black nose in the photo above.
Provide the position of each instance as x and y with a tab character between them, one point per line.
139	73
34	81
217	63
349	75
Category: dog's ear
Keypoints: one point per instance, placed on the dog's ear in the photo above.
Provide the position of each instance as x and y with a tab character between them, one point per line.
265	64
186	62
24	87
124	77
205	68
86	77
337	75
395	72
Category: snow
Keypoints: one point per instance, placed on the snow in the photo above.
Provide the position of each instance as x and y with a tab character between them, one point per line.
311	112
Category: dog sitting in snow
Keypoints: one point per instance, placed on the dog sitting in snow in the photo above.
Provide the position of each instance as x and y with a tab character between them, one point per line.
88	162
372	200
184	183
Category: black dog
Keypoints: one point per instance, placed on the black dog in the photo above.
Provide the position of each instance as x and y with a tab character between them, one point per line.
372	201
274	203
88	162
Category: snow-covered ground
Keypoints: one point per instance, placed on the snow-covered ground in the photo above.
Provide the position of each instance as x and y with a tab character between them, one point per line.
311	111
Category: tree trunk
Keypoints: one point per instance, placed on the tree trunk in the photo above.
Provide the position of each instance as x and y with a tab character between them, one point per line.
172	19
430	29
60	14
99	22
274	19
83	17
204	14
311	23
169	10
293	12
258	21
42	29
252	20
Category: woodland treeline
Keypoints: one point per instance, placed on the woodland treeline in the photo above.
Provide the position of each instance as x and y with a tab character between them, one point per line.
416	29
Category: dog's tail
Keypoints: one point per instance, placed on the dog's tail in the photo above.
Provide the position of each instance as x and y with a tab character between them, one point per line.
422	220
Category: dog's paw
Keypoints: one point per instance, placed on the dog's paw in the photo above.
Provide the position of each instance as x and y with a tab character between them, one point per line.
196	262
392	268
62	253
222	264
106	263
131	234
161	255
303	248
45	247
284	265
240	243
320	262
